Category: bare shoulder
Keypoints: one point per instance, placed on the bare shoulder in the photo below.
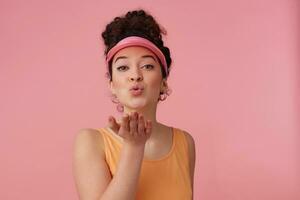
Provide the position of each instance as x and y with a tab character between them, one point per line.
190	139
90	170
192	154
192	148
88	138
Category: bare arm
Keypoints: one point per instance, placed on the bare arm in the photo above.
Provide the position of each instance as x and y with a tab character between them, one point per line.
124	183
91	173
192	157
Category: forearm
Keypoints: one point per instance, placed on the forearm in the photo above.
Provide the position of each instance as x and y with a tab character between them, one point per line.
123	186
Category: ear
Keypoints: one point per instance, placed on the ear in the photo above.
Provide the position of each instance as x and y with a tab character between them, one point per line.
112	89
164	84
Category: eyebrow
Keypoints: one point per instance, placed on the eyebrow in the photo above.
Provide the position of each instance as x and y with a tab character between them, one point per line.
145	56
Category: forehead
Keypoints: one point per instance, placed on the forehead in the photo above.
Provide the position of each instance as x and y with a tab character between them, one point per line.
133	52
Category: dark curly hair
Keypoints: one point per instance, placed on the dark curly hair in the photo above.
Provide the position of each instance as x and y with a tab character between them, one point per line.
135	23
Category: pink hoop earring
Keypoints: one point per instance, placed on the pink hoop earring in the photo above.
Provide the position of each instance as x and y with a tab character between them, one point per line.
120	107
164	95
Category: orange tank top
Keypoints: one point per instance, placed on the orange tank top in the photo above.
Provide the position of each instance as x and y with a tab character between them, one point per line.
161	179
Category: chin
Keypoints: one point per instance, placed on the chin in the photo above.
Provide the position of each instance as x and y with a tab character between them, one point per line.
137	103
136	106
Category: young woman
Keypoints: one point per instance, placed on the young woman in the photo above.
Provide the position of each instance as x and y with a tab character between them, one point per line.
135	157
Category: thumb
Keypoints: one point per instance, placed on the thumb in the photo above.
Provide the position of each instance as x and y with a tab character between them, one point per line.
113	124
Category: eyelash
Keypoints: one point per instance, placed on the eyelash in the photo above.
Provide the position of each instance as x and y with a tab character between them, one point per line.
118	68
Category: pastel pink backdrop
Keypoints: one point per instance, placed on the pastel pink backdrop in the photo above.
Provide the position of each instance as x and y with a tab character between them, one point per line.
235	82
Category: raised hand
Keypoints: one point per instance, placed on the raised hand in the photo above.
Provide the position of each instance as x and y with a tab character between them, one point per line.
133	128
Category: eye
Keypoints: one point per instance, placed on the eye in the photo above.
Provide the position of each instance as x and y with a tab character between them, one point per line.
149	66
121	68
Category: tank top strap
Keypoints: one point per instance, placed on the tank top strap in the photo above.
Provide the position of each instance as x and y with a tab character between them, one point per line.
112	148
181	138
182	149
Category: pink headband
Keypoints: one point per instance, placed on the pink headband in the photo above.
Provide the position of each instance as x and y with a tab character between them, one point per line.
137	41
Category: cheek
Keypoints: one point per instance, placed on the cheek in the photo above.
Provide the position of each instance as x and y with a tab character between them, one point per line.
119	87
118	80
154	84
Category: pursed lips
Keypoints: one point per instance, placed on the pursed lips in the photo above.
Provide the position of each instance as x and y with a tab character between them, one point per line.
137	87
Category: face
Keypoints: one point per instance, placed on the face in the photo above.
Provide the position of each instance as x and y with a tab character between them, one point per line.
136	66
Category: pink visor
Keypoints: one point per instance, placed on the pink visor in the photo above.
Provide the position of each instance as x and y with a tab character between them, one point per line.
137	41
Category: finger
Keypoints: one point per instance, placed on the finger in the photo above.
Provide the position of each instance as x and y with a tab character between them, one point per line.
124	122
133	124
148	128
141	125
112	124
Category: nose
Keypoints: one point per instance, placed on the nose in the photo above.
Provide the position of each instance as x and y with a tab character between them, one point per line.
139	78
136	75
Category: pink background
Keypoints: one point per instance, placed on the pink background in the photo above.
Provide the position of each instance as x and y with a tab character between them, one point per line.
235	82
